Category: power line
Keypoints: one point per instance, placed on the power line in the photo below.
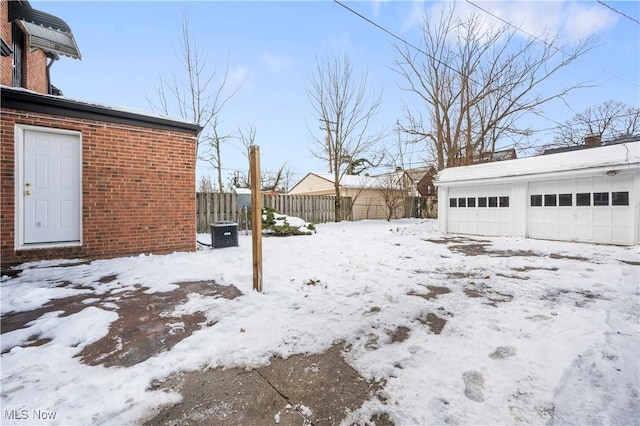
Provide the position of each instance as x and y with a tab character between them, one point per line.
549	44
427	54
618	12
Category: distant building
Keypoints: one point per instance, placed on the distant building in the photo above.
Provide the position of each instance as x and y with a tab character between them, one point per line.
367	193
487	157
420	181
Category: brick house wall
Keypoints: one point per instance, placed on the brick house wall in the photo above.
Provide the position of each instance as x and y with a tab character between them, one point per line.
5	33
138	188
34	62
35	66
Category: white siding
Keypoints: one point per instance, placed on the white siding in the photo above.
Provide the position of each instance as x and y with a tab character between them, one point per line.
313	184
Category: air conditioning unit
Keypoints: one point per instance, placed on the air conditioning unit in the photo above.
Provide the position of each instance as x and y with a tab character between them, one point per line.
224	234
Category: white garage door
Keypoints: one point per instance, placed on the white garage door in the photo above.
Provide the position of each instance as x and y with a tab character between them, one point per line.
480	210
593	209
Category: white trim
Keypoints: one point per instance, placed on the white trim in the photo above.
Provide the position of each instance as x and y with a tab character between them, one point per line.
19	130
566	174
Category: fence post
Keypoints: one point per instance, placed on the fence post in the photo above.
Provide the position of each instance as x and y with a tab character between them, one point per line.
256	216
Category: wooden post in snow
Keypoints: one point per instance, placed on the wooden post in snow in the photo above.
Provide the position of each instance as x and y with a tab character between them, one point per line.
256	215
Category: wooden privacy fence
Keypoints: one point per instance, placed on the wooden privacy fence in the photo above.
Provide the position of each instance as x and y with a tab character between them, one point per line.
216	207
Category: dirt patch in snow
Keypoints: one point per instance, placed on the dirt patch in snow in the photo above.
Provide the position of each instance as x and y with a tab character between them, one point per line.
534	268
579	298
482	290
319	389
66	306
477	247
565	256
400	334
434	291
515	277
435	323
146	324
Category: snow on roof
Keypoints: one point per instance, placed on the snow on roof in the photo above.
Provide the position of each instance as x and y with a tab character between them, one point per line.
123	109
388	180
619	155
351	181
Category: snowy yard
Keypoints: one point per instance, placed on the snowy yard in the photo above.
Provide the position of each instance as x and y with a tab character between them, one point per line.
455	330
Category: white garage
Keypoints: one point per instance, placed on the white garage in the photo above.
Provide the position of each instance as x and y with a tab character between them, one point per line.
588	195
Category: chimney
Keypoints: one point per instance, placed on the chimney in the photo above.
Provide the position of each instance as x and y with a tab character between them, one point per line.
592	139
398	169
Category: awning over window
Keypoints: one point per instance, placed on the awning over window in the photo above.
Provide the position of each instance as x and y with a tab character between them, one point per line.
50	40
46	32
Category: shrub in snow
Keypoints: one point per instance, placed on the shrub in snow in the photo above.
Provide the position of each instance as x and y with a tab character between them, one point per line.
274	223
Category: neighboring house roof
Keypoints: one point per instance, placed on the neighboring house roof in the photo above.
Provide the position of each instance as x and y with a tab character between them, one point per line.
354	181
422	179
623	139
27	100
350	181
47	32
505	154
418	173
623	155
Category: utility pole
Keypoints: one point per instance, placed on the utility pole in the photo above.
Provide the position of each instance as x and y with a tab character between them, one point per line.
329	140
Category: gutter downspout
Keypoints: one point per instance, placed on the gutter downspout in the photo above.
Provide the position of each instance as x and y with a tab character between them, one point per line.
52	59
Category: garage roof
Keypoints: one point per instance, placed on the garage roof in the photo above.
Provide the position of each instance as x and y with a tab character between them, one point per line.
623	155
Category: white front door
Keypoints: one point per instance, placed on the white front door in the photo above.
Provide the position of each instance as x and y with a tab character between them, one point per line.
51	188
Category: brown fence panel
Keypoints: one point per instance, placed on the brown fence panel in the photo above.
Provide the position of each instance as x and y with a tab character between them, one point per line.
216	207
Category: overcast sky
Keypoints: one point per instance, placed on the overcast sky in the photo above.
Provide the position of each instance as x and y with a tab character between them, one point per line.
271	49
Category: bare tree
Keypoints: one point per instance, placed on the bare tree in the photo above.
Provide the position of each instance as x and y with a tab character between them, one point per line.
340	101
278	180
205	184
197	93
393	193
476	85
247	138
609	120
269	181
397	159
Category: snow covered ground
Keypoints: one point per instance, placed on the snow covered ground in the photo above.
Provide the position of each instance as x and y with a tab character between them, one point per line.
500	330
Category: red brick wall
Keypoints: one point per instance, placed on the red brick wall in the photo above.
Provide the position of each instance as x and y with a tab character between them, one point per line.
36	71
138	190
5	32
35	63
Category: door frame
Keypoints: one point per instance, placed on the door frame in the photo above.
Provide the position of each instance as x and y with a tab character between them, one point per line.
19	137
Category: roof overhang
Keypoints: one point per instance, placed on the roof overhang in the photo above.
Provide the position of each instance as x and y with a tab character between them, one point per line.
26	100
46	31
